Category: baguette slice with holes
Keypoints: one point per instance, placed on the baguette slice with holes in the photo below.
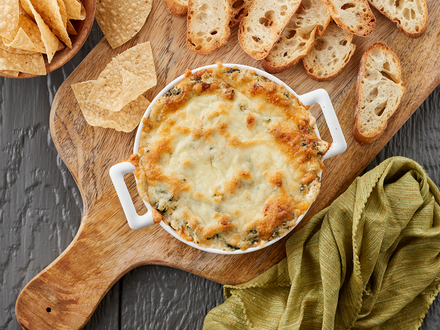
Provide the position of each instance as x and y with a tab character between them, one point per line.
410	16
354	16
311	19
262	27
177	7
379	91
208	25
330	54
239	10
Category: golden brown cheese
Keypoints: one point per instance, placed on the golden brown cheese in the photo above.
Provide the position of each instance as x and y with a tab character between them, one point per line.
229	159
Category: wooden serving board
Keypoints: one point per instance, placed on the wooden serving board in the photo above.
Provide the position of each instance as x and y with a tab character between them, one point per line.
65	294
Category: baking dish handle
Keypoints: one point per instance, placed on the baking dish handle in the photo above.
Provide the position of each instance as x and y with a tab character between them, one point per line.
135	221
320	96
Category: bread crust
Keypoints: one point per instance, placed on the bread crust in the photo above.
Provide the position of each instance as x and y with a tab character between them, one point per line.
362	138
176	8
365	20
401	27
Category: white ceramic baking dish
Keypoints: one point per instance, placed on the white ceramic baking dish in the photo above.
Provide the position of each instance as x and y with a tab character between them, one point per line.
117	172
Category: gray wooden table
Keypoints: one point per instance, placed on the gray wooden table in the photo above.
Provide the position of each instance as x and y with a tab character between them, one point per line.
40	212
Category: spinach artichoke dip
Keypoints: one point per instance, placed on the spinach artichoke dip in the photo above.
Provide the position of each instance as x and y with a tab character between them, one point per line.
229	159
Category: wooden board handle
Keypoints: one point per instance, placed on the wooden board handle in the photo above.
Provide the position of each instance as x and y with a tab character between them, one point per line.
67	292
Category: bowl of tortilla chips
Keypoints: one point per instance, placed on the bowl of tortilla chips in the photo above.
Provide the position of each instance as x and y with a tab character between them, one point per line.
39	36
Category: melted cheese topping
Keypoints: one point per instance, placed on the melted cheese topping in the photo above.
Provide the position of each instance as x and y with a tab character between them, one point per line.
229	159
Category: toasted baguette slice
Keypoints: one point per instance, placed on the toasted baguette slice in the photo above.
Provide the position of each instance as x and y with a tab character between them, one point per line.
354	16
177	7
312	18
410	16
208	25
262	27
379	91
239	10
330	53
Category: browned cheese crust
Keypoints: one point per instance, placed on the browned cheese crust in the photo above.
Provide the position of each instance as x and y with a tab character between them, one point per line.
229	159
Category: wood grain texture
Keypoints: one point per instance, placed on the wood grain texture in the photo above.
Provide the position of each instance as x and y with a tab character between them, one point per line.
105	248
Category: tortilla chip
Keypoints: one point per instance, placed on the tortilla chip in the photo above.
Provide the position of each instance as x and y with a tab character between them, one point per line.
60	46
75	10
10	73
121	20
125	120
12	49
50	13
139	60
7	65
117	89
22	11
29	63
21	44
70	29
134	67
49	39
63	12
28	37
26	7
9	11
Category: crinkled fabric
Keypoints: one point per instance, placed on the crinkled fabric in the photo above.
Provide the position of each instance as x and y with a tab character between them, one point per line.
371	260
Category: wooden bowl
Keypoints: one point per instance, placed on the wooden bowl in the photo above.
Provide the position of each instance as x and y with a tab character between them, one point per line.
63	56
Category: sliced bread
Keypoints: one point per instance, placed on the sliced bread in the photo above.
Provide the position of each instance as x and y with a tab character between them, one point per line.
239	10
379	91
354	16
177	7
410	16
311	18
208	25
262	27
330	53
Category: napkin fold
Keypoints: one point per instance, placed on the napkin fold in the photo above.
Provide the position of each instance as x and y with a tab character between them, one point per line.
371	260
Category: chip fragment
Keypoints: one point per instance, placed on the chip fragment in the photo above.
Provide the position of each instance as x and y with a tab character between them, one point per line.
125	120
121	20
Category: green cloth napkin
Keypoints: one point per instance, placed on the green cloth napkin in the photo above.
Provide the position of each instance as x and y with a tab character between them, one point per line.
371	260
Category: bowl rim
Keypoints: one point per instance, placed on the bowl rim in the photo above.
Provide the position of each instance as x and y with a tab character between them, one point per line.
167	227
